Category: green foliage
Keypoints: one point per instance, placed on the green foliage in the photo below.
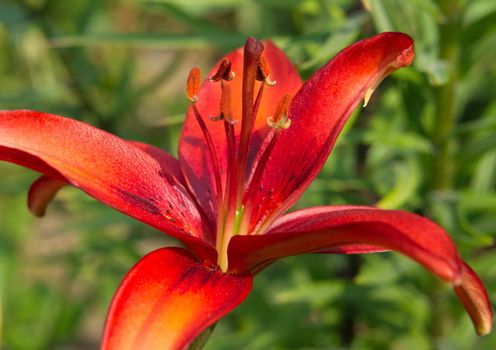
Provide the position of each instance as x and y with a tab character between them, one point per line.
425	143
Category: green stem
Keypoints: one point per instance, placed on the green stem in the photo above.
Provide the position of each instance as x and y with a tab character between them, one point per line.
202	339
443	160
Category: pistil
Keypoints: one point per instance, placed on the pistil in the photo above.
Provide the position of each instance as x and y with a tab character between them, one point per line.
252	52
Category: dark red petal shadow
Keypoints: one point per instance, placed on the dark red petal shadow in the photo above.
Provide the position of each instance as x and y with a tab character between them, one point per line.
318	113
167	300
108	168
193	154
324	228
41	193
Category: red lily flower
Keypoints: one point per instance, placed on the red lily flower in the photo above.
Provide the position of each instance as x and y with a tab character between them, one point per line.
225	197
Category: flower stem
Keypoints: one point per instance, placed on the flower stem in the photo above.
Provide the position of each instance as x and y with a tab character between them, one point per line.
443	161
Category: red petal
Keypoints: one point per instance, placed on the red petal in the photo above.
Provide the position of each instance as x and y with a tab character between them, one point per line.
473	296
106	167
193	152
168	299
41	194
43	190
355	249
323	228
165	159
318	113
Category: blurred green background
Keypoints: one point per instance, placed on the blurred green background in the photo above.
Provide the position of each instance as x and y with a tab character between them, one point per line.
425	143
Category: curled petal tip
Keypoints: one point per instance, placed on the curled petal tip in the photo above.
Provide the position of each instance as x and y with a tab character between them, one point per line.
400	45
406	57
41	193
484	329
473	296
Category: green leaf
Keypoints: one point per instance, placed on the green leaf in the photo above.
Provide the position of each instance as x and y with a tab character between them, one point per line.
407	179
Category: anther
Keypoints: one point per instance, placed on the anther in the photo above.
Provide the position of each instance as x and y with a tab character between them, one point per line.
225	105
193	84
223	72
280	119
263	72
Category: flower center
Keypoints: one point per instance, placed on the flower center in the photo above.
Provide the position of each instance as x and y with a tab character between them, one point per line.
235	200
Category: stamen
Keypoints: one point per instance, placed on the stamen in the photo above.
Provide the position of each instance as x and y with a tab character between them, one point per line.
231	167
227	209
225	103
192	88
280	118
258	100
223	72
263	72
226	219
225	106
193	84
231	185
211	149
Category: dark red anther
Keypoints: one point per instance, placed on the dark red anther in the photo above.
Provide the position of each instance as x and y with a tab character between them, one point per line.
223	72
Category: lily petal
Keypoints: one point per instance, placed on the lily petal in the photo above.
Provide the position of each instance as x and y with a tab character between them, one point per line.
44	189
166	161
193	152
318	112
355	249
323	228
474	298
108	168
41	193
168	299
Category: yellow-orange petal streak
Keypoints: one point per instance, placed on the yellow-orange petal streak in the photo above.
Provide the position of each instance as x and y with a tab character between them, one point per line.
168	299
